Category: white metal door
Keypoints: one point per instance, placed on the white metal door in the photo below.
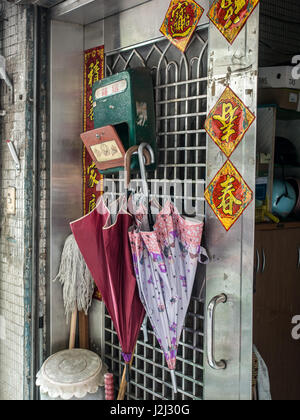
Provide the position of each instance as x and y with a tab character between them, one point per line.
231	269
187	86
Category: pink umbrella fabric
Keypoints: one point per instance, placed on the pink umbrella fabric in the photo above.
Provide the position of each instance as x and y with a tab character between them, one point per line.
165	262
106	250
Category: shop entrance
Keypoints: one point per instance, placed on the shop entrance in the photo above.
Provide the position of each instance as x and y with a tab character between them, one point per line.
215	352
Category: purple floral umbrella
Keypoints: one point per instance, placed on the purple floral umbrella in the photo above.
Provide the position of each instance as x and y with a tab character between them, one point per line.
165	262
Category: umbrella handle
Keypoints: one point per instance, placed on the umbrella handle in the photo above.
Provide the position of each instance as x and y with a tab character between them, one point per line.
174	382
127	162
123	384
142	148
144	328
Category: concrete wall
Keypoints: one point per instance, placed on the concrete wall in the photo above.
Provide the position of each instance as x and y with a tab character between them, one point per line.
13	47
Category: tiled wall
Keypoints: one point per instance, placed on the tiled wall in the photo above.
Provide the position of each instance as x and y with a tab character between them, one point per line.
12	125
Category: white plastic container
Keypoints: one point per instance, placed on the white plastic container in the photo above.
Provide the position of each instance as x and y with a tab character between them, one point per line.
72	375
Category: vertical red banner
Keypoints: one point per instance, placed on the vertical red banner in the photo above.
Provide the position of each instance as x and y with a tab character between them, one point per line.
92	179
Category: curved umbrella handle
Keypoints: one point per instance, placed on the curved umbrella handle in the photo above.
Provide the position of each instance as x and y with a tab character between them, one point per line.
144	328
127	162
174	383
141	150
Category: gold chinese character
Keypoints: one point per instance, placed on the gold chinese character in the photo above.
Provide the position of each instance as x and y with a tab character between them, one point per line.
239	4
96	71
233	8
227	119
229	6
93	75
227	198
92	166
92	203
182	21
92	175
91	110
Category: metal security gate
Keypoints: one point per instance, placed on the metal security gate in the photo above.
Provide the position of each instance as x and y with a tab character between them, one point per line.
180	82
186	87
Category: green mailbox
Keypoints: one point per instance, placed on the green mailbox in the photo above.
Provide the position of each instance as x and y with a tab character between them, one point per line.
125	102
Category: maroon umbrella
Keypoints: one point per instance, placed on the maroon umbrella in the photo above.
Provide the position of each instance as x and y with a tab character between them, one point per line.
106	250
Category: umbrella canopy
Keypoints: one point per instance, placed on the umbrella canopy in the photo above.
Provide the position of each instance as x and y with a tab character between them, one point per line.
165	262
106	250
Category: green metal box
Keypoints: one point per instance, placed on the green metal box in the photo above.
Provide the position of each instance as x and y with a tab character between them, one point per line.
126	101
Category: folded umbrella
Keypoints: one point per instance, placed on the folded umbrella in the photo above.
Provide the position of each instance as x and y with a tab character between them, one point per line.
106	250
165	262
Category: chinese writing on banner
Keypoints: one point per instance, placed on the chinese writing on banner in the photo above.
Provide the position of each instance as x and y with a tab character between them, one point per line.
228	122
92	180
181	21
93	71
228	195
230	16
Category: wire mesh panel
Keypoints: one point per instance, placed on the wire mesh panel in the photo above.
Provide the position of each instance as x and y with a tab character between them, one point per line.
279	31
180	82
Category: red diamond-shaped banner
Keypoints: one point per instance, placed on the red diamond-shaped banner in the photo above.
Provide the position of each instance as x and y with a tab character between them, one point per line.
228	122
228	195
230	16
181	21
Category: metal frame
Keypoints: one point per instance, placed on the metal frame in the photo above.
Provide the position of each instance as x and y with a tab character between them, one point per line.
89	11
66	98
231	268
180	86
184	93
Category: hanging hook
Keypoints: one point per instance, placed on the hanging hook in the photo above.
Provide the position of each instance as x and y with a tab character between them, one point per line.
146	159
142	148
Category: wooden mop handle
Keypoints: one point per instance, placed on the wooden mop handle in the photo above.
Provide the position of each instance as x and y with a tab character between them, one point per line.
73	330
123	384
83	330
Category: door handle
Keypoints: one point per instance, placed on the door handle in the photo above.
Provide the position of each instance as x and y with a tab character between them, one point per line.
264	261
257	261
298	256
210	332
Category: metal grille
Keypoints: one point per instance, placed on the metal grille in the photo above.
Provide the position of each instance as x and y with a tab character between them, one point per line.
279	31
180	94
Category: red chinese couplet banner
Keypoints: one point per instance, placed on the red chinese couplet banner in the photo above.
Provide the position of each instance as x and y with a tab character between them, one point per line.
93	71
92	179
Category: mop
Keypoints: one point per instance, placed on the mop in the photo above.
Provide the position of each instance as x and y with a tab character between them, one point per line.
77	282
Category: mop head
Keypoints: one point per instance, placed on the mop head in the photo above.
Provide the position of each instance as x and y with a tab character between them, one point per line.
76	279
